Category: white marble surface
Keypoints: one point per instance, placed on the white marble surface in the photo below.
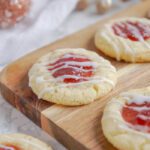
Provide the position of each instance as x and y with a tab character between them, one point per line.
11	120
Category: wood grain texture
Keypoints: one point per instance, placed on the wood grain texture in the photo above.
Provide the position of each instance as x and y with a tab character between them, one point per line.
78	128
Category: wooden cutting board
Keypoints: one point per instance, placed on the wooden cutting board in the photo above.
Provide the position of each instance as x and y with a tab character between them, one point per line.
78	128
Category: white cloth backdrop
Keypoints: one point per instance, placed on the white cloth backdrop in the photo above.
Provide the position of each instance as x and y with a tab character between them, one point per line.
35	30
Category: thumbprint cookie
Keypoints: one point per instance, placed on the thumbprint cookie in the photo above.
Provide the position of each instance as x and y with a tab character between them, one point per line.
71	77
126	120
125	39
12	11
21	142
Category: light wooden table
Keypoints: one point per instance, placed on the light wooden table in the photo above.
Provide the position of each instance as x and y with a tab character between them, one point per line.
12	120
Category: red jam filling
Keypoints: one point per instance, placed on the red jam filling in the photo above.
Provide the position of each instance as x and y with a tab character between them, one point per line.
10	147
135	31
73	68
137	114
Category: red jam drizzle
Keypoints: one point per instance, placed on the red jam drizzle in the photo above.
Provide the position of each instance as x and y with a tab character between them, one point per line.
71	64
137	114
135	31
10	147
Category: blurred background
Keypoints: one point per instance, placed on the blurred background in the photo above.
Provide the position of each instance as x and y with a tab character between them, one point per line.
43	22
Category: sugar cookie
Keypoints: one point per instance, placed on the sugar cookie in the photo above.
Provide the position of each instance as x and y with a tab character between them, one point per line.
21	142
126	120
125	39
72	77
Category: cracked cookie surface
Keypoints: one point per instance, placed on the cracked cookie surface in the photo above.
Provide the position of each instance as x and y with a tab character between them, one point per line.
125	39
72	76
21	142
126	122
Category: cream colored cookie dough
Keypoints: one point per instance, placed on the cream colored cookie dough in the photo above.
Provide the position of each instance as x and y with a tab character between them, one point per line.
123	135
123	48
22	142
52	89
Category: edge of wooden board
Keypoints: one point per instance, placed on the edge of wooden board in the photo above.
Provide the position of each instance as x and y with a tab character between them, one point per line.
35	114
